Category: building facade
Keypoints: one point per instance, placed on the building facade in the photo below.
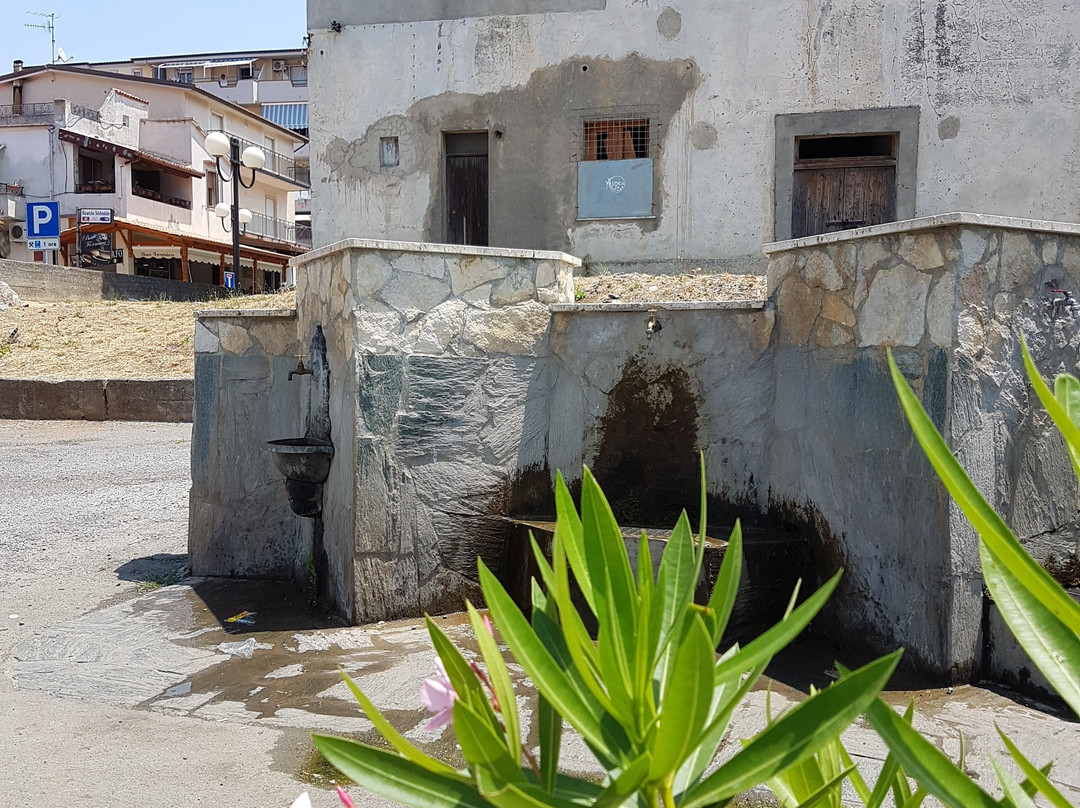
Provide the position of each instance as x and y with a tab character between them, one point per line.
135	145
667	134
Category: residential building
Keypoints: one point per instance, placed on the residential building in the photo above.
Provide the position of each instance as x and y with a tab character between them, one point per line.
680	134
270	83
91	139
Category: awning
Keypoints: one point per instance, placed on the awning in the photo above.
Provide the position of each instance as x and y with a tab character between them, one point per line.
127	153
206	63
291	116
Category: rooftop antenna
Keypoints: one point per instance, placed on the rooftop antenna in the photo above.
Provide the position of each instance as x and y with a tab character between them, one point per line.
49	26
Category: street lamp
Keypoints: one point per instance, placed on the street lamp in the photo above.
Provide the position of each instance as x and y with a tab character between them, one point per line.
219	145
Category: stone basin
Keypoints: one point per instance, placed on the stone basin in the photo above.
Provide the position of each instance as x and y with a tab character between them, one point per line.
304	460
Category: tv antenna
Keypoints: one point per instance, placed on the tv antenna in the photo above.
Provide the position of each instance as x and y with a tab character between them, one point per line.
50	26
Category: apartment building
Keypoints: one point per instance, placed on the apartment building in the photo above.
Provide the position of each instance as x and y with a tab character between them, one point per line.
98	140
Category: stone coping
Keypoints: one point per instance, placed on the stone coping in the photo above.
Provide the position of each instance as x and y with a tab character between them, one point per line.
924	223
670	305
433	249
207	314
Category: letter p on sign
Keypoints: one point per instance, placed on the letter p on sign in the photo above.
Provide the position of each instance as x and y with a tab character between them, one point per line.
43	219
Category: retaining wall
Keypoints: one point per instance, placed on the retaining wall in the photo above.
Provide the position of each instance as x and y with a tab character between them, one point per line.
57	283
163	400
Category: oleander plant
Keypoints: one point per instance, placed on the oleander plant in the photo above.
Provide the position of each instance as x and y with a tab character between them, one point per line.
649	694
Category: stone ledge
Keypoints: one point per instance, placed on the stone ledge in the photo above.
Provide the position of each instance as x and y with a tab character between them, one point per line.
924	223
671	305
205	314
160	400
436	249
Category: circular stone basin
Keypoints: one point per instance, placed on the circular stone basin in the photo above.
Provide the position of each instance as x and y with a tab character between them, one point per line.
305	460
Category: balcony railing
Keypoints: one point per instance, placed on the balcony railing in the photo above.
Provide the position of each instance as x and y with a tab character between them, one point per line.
23	114
278	164
268	227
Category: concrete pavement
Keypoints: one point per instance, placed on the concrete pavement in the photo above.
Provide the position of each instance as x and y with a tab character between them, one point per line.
119	692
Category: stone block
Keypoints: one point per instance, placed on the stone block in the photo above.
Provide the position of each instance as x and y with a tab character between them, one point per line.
921	251
835	309
411	294
1050	251
382	381
939	311
516	287
370	272
162	400
436	331
468	271
480	296
380	332
974	247
832	335
276	337
517	330
386	588
45	399
781	265
875	254
430	266
1021	259
545	275
206	341
376	529
797	307
895	309
820	272
234	339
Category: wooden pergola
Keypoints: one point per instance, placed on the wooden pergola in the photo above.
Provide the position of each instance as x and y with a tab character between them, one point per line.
136	234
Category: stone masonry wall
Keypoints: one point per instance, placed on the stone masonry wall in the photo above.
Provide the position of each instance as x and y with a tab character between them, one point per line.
437	407
240	523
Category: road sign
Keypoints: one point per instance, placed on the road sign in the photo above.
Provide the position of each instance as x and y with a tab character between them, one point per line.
95	216
42	244
43	221
230	280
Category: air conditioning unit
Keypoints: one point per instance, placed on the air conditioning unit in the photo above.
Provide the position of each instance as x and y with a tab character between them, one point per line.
17	232
279	65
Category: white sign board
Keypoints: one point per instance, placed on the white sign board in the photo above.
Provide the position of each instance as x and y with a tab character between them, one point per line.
95	216
42	244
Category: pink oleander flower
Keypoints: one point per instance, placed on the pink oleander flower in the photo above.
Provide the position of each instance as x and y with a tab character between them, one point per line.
346	800
438	695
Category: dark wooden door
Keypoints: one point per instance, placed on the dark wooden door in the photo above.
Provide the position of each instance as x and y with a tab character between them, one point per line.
467	199
825	200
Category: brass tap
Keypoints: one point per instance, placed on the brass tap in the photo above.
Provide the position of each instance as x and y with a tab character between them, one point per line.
300	369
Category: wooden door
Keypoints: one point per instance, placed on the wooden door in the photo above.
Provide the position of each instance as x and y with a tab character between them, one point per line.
467	199
826	200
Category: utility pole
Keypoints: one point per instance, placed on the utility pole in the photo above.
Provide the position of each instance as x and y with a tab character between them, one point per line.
49	26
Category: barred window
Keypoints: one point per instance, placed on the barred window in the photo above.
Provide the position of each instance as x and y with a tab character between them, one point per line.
617	139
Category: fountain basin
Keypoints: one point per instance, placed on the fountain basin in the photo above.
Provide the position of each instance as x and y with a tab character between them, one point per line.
304	460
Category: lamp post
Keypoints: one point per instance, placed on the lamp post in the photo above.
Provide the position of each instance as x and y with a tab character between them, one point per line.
219	145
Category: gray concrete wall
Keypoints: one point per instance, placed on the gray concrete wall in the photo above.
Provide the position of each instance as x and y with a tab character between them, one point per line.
55	283
161	400
240	523
989	91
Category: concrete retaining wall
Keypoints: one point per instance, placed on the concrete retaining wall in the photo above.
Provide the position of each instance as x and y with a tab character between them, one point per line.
56	283
163	400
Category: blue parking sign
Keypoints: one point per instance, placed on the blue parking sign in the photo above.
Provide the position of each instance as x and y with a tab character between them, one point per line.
42	220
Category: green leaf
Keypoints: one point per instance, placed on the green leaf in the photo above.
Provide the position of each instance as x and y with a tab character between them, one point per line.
546	674
395	738
766	645
828	791
625	784
798	734
1067	394
1052	646
549	720
520	794
500	682
923	761
1014	794
686	701
1034	775
397	778
992	530
674	592
1061	412
573	539
889	771
722	600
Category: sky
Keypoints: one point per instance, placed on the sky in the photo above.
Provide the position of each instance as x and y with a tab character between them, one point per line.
114	30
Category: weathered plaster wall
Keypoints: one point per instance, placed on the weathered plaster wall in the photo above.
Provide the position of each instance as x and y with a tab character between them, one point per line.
240	523
432	351
994	88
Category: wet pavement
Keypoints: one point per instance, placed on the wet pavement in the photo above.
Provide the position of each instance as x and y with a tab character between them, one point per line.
173	651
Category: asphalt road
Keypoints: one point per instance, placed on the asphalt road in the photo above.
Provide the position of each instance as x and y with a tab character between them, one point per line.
90	513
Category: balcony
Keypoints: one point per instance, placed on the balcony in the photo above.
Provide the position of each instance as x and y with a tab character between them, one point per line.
278	165
26	114
269	228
